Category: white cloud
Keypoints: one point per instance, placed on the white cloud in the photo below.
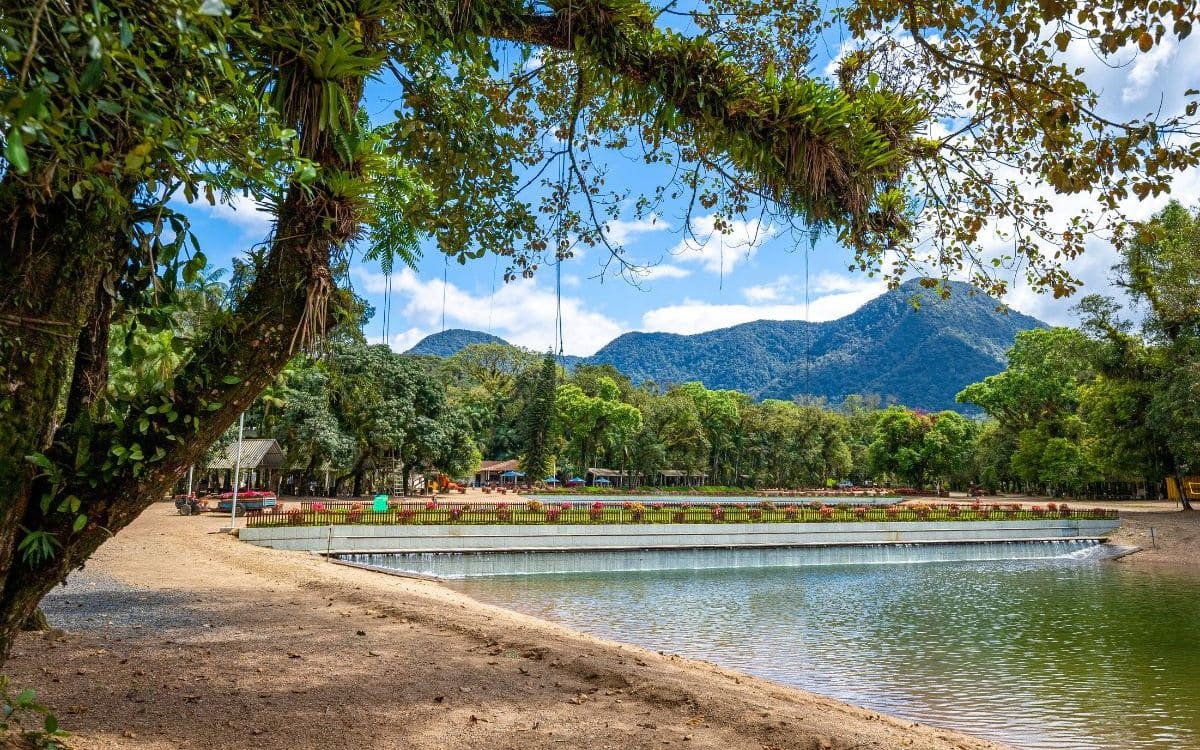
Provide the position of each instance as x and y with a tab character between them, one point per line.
1145	71
720	252
693	316
619	231
521	312
403	341
661	271
242	212
762	292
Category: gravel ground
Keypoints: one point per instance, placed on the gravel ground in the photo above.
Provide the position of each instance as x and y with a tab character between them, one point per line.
91	600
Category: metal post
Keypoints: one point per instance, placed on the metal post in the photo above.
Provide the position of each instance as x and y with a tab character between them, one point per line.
237	472
189	490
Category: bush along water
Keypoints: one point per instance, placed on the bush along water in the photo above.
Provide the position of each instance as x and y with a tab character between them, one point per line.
535	512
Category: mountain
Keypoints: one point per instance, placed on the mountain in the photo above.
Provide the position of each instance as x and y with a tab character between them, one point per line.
448	343
920	355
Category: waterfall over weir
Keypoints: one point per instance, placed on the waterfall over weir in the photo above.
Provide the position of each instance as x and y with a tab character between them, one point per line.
479	564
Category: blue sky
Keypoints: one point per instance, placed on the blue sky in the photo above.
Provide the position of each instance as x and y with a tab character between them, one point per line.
755	272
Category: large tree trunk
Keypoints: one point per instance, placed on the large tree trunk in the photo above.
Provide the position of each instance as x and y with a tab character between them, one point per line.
56	253
46	300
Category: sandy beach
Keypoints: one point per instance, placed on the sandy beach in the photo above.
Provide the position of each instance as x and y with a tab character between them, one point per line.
177	636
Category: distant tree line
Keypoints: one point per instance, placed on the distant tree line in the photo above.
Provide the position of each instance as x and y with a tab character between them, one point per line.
1117	399
1111	401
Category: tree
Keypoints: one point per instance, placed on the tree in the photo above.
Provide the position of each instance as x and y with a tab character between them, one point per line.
112	110
538	432
947	448
592	424
898	447
720	413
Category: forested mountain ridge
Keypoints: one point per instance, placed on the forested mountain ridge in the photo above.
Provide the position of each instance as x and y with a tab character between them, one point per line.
921	356
450	342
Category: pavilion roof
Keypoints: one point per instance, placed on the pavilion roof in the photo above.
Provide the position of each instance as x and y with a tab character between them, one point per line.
256	453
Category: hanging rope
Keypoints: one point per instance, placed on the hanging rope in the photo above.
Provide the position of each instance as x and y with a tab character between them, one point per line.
387	306
558	316
445	283
492	299
812	243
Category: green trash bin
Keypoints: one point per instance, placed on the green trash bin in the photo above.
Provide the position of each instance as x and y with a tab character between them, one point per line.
381	504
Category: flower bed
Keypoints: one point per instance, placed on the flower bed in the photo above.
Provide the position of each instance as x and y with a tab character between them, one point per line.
764	511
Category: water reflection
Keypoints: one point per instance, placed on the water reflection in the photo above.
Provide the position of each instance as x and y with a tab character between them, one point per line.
1038	654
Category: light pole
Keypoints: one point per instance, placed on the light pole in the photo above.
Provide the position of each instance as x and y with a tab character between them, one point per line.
237	471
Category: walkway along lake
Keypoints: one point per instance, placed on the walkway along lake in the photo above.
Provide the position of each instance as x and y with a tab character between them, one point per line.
1054	654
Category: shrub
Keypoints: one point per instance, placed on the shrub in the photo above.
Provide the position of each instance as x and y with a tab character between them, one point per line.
1039	511
755	514
294	516
456	513
892	511
637	511
1064	510
717	512
816	505
826	512
922	510
318	507
534	506
503	512
431	505
404	515
565	505
354	515
790	512
596	512
679	517
767	505
953	511
552	514
860	512
1051	507
658	506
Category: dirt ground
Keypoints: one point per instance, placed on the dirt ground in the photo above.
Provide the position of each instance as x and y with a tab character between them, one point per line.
1168	538
179	637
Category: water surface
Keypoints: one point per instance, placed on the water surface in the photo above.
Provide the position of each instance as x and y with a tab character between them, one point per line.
1038	654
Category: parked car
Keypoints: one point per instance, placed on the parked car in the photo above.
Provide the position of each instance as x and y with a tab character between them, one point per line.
845	484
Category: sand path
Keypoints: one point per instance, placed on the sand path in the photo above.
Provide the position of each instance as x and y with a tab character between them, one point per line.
179	637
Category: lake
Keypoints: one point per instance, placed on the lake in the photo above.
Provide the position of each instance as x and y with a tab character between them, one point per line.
1052	654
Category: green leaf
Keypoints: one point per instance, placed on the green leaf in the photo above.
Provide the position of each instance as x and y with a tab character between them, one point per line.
14	152
80	522
231	380
41	461
212	8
